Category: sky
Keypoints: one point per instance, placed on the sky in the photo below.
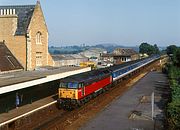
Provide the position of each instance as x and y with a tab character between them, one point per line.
122	22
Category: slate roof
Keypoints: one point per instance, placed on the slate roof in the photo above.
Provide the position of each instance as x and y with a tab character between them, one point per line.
124	51
121	52
7	60
24	13
68	57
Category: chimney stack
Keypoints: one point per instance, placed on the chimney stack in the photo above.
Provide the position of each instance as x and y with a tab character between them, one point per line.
7	12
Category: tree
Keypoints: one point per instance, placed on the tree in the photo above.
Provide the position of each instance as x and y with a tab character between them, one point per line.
156	49
148	49
176	57
174	52
171	49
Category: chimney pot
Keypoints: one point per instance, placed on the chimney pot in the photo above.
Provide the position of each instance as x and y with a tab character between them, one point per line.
10	12
14	11
4	11
1	13
7	11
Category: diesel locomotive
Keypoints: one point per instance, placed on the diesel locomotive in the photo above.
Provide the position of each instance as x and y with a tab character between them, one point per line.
78	89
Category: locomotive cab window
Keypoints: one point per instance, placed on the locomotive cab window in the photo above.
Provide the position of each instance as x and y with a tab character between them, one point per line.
63	85
80	85
73	85
69	85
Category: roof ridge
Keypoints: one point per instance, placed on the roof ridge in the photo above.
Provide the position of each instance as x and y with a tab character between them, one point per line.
16	6
24	13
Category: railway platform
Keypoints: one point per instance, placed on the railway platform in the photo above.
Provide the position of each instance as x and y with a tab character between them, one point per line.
133	110
30	91
26	110
25	87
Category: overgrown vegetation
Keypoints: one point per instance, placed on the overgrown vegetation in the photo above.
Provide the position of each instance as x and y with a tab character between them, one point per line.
173	108
148	49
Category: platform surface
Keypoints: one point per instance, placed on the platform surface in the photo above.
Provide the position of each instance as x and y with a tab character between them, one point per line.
25	108
20	80
116	115
23	76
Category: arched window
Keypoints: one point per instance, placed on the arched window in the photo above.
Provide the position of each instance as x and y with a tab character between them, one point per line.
38	38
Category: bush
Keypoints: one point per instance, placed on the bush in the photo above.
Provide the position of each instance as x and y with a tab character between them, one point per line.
173	108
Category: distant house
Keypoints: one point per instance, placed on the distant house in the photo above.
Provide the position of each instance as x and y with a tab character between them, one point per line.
68	60
121	55
94	53
8	62
24	30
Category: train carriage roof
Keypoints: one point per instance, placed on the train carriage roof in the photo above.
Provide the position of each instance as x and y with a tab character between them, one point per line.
90	75
115	67
86	76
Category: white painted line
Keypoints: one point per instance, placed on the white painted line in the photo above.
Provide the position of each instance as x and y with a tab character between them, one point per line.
18	117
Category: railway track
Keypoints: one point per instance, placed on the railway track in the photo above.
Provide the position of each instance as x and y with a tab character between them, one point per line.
74	119
95	105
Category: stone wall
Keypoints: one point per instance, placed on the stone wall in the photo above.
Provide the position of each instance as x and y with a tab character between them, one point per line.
16	44
24	47
38	24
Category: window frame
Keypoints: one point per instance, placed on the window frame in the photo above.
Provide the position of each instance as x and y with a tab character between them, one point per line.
38	37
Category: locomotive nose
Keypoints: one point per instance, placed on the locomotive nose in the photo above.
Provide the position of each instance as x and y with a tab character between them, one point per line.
67	93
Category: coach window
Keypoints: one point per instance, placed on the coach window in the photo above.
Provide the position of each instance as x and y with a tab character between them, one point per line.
114	75
38	38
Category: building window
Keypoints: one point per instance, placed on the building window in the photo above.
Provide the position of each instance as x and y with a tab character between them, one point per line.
123	59
38	38
38	58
